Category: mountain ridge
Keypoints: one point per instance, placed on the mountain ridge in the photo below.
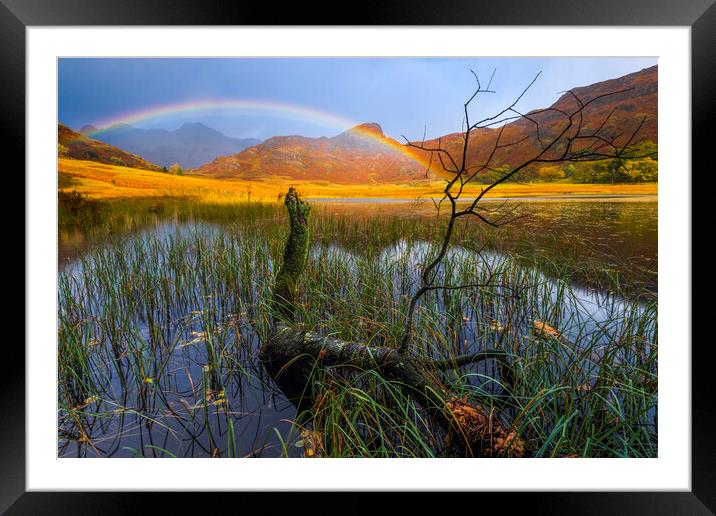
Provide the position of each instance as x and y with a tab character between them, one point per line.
360	154
190	145
365	153
71	144
633	97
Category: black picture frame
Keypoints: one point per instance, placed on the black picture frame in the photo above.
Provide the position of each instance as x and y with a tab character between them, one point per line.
700	15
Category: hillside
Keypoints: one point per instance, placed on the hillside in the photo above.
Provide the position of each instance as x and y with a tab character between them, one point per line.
362	154
628	107
191	145
100	181
78	146
365	155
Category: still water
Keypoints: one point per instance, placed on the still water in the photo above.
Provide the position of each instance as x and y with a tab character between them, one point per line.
177	401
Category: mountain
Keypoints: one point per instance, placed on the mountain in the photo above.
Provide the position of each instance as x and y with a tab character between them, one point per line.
359	155
191	145
637	100
78	146
365	154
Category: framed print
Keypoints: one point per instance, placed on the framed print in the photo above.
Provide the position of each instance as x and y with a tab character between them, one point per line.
428	250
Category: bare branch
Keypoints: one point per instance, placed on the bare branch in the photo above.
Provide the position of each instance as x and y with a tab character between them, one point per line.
570	142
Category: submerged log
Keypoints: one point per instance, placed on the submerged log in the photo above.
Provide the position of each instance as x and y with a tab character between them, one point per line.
291	354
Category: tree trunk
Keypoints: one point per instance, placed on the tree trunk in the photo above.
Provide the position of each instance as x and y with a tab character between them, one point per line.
291	354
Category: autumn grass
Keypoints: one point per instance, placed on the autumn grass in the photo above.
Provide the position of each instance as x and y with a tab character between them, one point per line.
103	182
357	226
586	389
159	327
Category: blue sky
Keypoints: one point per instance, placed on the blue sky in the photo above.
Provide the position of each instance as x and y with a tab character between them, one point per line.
403	95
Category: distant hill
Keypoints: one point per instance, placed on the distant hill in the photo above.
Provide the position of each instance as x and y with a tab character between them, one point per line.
78	146
191	145
365	154
629	107
362	154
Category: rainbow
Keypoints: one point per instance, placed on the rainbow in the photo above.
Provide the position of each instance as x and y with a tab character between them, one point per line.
257	107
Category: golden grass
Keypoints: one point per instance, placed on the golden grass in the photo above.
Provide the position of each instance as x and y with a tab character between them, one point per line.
100	181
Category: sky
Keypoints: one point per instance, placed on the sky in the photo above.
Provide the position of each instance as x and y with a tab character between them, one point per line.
260	98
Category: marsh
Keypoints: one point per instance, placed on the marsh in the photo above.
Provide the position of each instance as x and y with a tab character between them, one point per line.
163	306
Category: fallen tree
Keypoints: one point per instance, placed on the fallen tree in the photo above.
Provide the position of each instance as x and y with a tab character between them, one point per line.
292	354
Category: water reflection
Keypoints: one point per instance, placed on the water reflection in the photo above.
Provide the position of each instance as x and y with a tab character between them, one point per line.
177	369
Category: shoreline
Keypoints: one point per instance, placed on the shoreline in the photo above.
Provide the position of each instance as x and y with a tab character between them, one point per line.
536	198
111	182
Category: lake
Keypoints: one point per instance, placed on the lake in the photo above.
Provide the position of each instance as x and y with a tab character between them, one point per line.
161	317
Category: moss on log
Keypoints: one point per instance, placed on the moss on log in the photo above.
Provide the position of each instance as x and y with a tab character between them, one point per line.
291	354
294	256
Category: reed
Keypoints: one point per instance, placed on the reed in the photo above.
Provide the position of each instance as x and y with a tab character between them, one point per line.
160	321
